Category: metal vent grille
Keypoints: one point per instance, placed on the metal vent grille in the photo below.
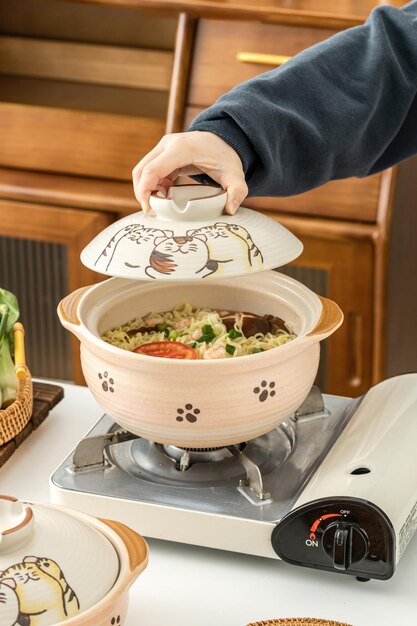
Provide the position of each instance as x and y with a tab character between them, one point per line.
318	281
37	273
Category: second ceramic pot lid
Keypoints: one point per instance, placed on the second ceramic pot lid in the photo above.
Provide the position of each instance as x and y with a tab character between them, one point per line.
53	564
190	237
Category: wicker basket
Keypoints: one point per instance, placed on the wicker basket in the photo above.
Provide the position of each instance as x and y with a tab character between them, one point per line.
16	416
298	621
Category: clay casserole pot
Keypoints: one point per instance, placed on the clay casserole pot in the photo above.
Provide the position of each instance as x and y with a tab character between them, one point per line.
200	403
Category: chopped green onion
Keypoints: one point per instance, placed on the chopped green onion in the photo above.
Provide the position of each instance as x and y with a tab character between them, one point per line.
230	349
173	334
192	344
258	350
234	334
163	328
206	338
208	334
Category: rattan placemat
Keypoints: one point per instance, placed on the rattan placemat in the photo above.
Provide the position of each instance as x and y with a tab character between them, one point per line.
298	621
45	397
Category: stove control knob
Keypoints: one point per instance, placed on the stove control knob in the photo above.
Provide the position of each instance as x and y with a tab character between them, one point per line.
345	543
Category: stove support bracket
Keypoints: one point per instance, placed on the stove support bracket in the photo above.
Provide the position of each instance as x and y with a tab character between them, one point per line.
253	479
312	405
89	454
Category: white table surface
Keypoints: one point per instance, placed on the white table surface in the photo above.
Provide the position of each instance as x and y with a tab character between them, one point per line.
189	586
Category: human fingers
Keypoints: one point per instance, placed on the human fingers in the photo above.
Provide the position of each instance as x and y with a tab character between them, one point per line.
190	150
221	162
237	190
163	167
137	170
165	184
190	154
232	181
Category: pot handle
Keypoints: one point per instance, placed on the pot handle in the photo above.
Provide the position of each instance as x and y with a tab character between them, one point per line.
19	350
135	544
67	308
331	318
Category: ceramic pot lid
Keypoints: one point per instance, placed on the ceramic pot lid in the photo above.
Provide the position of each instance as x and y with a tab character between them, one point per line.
52	564
189	237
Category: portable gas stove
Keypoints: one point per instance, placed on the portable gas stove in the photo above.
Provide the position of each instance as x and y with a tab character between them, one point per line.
333	488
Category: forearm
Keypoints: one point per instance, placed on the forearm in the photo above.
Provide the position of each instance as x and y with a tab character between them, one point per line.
346	107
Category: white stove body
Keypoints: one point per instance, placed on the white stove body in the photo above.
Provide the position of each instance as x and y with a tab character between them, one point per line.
382	438
371	466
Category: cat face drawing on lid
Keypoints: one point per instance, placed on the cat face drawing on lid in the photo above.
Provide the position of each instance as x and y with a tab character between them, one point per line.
9	603
51	568
230	242
178	256
125	247
40	595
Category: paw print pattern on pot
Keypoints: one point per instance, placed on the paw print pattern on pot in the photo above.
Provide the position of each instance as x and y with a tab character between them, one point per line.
107	383
265	390
115	620
189	413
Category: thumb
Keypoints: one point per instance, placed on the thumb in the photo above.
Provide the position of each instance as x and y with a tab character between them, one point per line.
237	190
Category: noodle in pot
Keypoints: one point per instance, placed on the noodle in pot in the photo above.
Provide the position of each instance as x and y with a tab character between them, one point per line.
205	330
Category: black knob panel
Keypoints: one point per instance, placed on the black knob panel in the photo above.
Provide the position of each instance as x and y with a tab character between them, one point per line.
345	535
345	543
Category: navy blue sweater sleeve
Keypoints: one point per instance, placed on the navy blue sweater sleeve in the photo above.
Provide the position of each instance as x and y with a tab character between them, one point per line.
345	107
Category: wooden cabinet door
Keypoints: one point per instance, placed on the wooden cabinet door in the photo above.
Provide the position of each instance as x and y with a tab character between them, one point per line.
338	262
40	250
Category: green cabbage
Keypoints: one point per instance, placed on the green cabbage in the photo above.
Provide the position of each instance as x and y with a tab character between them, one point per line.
9	314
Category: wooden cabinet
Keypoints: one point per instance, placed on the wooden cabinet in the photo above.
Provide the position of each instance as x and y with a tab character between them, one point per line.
345	258
226	54
74	142
40	247
82	92
83	96
348	227
87	88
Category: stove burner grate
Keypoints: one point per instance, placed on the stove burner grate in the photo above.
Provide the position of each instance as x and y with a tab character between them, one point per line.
232	465
200	449
112	464
188	456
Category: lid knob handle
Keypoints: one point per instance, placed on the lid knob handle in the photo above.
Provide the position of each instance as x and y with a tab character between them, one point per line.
16	521
189	203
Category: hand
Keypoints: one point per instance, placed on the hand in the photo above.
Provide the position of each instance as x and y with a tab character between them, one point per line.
186	154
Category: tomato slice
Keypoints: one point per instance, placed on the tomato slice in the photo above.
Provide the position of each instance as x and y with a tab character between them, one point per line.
167	350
